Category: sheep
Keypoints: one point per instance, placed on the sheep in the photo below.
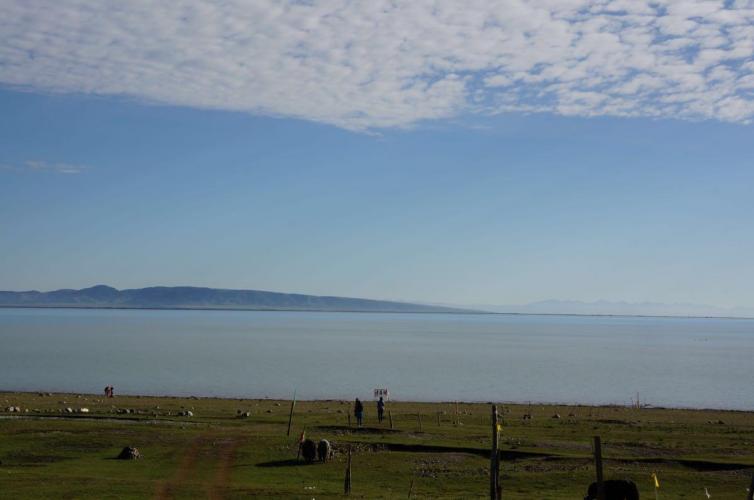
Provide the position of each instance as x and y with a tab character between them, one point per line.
615	489
324	450
309	451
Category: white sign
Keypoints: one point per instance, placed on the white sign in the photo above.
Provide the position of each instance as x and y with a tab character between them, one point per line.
381	393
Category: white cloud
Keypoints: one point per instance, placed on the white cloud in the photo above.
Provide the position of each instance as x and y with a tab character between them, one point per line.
43	166
378	64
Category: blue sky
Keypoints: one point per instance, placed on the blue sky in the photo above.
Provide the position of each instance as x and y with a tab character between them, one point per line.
121	164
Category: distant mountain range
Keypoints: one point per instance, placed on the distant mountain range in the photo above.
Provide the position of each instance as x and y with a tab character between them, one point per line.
607	308
189	297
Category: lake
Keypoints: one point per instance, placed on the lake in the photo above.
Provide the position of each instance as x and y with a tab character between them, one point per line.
678	362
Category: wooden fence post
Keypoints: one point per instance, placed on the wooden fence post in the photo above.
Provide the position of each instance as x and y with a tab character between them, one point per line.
494	460
750	496
347	481
438	419
598	466
419	418
290	416
390	417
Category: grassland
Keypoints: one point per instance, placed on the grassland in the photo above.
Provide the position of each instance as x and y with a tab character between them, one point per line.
46	452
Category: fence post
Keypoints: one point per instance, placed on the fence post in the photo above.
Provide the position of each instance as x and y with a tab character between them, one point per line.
750	496
390	417
419	418
438	419
290	416
347	482
598	466
494	459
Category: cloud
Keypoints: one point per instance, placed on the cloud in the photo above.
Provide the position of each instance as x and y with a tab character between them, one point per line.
380	64
42	166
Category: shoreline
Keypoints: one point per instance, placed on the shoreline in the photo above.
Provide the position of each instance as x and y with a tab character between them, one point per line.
458	312
271	399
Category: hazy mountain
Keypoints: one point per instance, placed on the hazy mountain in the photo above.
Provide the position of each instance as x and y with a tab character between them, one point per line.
603	307
188	297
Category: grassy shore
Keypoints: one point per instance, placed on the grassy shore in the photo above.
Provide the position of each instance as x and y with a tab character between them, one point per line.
46	452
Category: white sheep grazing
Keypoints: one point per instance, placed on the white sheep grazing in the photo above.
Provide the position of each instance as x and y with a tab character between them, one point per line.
324	450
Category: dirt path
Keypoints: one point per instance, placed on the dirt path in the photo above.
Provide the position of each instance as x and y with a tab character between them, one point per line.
226	458
222	450
166	489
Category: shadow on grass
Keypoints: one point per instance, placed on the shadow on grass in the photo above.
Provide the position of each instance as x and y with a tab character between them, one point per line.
292	462
357	430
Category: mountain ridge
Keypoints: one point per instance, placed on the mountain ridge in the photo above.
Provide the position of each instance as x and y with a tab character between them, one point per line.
191	297
618	308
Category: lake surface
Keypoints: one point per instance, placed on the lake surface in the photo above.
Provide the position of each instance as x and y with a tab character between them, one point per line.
676	362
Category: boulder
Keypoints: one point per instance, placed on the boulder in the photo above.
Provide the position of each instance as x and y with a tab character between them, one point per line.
129	453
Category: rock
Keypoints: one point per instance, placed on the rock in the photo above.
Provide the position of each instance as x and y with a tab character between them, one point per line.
83	410
245	414
129	453
556	416
69	410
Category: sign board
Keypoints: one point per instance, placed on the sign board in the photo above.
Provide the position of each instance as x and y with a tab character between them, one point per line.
381	393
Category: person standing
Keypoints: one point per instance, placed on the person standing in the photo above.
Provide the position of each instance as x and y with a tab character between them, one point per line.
380	409
358	412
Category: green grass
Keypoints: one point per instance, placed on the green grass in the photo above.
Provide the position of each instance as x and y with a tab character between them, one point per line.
50	454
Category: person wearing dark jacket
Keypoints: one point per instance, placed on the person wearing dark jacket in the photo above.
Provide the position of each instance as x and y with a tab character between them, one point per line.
358	412
380	409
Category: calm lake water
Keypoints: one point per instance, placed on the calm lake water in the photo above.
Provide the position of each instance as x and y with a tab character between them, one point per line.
671	362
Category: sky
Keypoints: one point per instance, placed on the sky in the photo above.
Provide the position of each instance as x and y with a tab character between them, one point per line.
460	152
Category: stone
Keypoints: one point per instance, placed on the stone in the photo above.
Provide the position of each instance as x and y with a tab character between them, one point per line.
129	453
